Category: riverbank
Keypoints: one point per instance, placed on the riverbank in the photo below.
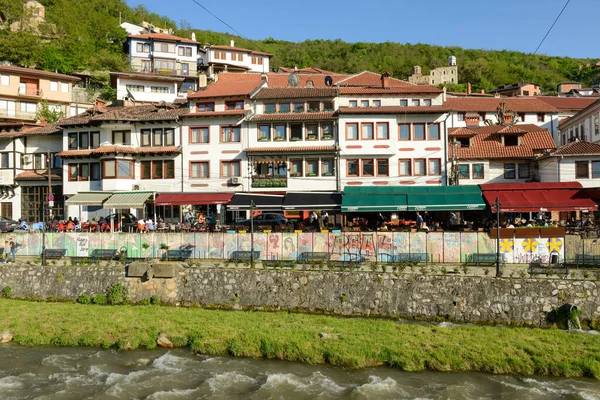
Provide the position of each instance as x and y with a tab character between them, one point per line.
348	343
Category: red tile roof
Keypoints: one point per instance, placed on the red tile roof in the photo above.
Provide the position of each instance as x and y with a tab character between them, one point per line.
514	129
393	110
275	79
120	149
524	104
37	72
141	112
40	130
368	78
486	144
577	148
304	116
239	49
207	114
563	121
464	132
32	175
294	93
163	36
226	89
412	89
308	70
290	149
568	103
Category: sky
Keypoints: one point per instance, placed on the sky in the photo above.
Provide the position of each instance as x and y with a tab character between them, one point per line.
475	24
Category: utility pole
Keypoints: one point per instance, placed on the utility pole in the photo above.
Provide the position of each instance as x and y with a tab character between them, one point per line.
498	255
47	207
252	205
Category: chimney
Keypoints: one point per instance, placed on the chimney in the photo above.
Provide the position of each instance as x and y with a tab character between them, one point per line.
264	77
232	43
472	120
469	88
202	81
385	80
194	36
482	91
507	118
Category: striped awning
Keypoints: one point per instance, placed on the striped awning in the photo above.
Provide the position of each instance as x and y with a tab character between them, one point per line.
88	199
135	199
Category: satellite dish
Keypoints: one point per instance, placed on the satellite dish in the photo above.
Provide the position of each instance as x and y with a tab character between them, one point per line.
328	81
129	96
293	80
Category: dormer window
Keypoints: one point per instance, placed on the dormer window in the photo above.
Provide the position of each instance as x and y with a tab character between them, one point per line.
510	140
353	103
464	142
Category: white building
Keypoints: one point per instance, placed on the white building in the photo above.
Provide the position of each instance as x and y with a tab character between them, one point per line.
233	59
584	126
577	161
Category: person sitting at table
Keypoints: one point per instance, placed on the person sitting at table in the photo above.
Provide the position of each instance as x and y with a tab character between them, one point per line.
70	226
141	225
150	224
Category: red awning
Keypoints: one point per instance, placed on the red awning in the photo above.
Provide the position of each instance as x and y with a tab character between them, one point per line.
535	197
180	199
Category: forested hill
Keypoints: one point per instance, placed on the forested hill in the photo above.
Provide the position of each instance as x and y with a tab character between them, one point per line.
88	37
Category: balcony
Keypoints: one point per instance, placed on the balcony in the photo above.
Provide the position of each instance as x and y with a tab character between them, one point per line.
163	71
30	92
269	182
18	115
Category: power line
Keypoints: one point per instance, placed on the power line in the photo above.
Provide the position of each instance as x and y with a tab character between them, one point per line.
547	33
229	26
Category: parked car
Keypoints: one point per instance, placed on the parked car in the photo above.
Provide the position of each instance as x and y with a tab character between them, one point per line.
128	221
7	224
265	219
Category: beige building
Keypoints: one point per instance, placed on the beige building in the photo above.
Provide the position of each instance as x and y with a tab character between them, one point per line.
437	76
518	89
22	90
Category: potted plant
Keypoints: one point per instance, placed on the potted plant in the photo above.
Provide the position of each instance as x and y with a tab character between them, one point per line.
263	138
145	247
165	247
327	137
312	137
279	138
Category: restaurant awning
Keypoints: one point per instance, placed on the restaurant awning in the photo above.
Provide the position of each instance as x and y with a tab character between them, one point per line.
412	198
135	199
312	201
538	196
88	199
263	202
180	199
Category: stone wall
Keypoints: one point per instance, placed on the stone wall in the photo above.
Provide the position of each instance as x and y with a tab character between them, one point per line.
455	298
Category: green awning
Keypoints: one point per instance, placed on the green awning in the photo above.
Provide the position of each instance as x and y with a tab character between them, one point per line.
88	199
135	199
412	198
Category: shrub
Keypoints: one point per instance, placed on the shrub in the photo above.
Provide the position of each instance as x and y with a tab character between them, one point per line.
6	291
99	299
117	294
84	299
154	300
146	301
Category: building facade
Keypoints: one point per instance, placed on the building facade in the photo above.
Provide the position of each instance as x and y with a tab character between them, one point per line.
437	76
584	126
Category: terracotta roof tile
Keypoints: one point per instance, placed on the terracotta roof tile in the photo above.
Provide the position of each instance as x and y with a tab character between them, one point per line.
368	78
31	175
393	110
294	93
308	70
74	153
206	114
225	89
159	150
563	121
480	104
486	144
578	148
141	112
305	116
38	72
567	103
163	36
276	79
40	131
512	129
413	89
120	149
464	132
290	149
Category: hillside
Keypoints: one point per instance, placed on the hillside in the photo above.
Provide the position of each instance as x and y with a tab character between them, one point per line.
94	42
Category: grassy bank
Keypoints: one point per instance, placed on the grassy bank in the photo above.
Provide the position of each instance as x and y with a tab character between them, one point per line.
295	337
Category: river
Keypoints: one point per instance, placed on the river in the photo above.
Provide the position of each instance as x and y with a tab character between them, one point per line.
45	373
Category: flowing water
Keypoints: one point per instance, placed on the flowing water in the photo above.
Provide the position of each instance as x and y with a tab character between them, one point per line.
86	373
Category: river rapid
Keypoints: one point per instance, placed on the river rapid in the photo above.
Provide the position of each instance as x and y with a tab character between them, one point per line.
45	373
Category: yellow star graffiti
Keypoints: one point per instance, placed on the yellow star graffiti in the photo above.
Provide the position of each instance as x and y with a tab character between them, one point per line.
507	245
554	245
530	245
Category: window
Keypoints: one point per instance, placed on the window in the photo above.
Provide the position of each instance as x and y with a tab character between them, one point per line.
477	171
596	127
367	131
264	132
511	140
199	169
368	168
460	116
270	108
383	131
383	167
327	167
364	103
230	169
257	60
524	171
353	103
352	131
435	166
403	103
5	80
509	171
37	162
419	131
595	169
28	107
376	103
5	160
199	135
64	87
135	88
158	169
296	132
312	131
118	169
53	86
522	117
159	89
327	131
298	107
427	102
314	106
84	140
296	168
463	171
166	65
582	170
404	131
94	140
234	105
220	55
230	134
280	132
416	103
434	131
146	170
121	137
164	47
328	106
404	167
142	47
541	117
352	167
84	172
420	168
184	51
464	142
312	167
146	137
73	144
284	107
204	107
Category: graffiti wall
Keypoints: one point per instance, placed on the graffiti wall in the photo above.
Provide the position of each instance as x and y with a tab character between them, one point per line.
442	247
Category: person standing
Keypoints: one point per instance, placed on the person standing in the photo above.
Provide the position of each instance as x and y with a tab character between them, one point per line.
13	249
419	220
6	251
453	219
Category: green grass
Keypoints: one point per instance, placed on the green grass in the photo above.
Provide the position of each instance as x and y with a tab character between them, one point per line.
294	337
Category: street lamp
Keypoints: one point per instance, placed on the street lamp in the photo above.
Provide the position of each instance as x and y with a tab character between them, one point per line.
252	205
497	205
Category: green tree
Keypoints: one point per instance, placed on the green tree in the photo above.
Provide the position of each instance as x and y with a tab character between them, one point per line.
50	114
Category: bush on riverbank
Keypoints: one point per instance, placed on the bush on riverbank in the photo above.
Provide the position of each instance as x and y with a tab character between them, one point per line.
349	343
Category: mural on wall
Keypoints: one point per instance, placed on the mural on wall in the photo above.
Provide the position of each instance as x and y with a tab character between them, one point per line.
443	247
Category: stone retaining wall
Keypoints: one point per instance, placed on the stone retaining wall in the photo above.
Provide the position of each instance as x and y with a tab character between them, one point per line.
456	298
